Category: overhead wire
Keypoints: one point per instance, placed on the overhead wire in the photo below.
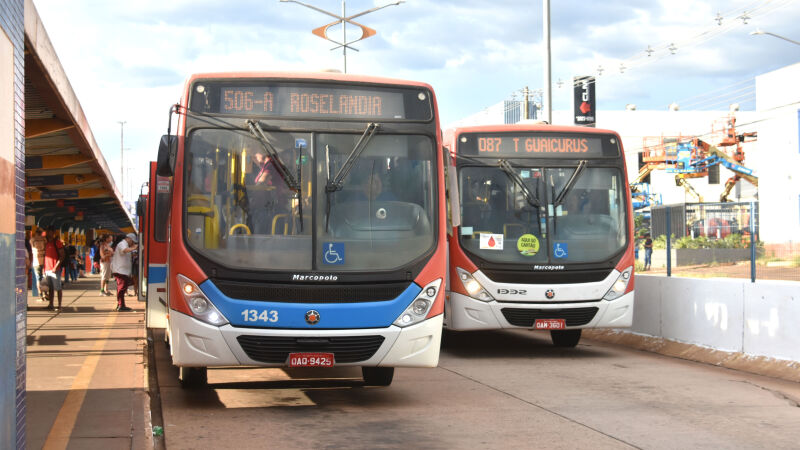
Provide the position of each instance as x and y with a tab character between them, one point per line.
731	20
734	18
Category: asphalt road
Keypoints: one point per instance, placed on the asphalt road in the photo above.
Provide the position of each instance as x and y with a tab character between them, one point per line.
491	390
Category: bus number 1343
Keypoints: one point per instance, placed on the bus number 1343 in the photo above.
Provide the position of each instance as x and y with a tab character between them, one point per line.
253	315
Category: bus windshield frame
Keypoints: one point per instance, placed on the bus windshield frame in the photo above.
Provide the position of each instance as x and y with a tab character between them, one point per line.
380	222
582	215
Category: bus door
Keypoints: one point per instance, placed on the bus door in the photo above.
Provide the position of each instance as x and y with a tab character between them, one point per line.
156	245
141	261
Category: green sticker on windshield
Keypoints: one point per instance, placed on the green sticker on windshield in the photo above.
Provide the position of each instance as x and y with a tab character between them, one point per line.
528	245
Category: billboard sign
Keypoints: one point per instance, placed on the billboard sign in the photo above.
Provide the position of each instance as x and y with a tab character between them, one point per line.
584	101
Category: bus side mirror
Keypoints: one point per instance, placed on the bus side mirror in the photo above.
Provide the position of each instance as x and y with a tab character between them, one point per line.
453	198
167	150
140	207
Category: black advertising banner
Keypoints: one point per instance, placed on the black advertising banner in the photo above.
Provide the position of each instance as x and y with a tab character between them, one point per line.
584	103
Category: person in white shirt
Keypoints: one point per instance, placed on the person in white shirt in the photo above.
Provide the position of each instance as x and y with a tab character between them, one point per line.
122	266
38	242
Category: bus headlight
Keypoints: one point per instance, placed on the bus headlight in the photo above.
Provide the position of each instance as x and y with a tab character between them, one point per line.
200	306
472	286
619	286
419	308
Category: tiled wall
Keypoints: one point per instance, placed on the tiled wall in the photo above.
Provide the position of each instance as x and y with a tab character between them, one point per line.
12	270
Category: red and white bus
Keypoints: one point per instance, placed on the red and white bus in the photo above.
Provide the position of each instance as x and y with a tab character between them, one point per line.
307	224
545	239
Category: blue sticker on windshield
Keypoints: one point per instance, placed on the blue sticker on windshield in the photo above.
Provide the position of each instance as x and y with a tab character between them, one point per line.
300	143
560	250
333	252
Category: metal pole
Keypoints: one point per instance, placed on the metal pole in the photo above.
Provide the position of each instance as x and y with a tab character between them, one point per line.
525	93
775	35
669	242
752	243
344	37
547	102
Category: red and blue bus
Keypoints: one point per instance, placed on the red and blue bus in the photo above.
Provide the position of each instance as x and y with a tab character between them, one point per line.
545	239
307	224
153	212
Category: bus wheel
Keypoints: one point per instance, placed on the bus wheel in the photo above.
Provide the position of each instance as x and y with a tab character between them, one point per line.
377	376
565	338
193	377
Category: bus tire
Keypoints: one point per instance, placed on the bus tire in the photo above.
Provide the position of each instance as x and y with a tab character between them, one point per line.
377	376
193	377
565	338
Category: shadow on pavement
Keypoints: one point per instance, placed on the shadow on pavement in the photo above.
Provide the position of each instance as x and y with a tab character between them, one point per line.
512	344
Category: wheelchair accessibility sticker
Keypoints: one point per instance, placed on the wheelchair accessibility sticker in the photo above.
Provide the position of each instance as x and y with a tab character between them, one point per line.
333	252
560	250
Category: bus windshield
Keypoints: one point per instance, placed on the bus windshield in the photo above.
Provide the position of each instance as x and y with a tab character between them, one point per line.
240	211
500	225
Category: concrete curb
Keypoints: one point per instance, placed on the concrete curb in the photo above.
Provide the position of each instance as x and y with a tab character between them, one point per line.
759	365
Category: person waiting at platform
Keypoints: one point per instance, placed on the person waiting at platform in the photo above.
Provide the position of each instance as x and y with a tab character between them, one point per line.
38	242
648	251
106	252
29	264
54	259
122	268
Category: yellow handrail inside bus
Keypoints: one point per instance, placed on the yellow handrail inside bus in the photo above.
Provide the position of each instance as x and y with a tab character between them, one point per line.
237	226
285	217
203	205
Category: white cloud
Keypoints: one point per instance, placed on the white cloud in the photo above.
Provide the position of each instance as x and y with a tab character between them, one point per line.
127	61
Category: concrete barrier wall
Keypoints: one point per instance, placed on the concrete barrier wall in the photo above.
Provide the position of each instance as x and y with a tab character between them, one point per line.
733	315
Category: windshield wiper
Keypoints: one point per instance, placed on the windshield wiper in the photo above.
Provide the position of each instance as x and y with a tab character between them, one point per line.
531	198
336	184
570	183
291	182
288	178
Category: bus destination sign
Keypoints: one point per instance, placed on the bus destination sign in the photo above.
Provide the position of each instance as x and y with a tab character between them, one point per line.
312	101
537	145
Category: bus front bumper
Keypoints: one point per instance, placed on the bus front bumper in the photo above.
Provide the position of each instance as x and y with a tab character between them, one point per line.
198	344
467	313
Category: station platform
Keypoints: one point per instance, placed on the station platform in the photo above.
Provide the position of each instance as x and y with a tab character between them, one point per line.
87	372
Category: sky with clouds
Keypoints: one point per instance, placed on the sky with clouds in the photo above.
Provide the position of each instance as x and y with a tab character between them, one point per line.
127	60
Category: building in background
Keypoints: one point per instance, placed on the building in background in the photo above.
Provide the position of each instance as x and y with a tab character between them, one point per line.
774	155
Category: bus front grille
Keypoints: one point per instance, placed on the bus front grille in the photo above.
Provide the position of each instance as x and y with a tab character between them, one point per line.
298	293
345	349
573	317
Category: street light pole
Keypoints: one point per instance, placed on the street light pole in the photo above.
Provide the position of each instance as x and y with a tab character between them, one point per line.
344	20
121	157
758	31
547	94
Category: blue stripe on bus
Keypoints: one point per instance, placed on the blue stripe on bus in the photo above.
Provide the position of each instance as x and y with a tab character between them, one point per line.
157	274
292	315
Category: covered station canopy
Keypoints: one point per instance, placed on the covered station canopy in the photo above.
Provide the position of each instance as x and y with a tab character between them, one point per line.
68	183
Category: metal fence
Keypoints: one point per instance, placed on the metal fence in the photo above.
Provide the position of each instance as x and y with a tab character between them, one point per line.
716	240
